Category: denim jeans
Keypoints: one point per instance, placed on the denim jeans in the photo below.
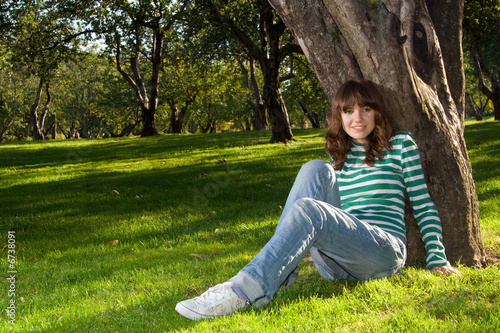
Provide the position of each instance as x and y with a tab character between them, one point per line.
341	246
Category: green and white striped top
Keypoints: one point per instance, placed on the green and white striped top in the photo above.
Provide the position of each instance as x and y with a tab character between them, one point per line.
376	194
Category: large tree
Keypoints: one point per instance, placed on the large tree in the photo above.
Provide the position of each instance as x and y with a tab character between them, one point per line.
412	51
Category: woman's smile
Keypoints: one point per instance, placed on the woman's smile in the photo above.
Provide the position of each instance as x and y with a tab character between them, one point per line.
358	122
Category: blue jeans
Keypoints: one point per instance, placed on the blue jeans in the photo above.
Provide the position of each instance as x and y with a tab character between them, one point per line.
341	246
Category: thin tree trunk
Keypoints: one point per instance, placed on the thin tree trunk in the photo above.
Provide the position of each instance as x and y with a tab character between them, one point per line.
45	108
5	128
312	116
148	107
62	131
54	129
270	64
149	115
37	131
260	112
475	111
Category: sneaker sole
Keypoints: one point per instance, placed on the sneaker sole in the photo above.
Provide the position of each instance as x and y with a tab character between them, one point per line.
188	313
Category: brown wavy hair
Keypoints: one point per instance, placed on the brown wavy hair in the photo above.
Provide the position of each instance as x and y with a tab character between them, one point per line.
338	142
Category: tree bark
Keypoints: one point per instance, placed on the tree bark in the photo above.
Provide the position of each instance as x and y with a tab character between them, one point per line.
394	44
447	17
38	121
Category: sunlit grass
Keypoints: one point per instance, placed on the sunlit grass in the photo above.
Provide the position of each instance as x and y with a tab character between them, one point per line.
483	143
189	211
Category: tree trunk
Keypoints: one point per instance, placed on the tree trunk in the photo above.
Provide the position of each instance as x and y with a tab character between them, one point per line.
38	121
148	121
270	65
475	111
148	106
394	44
259	110
496	99
37	133
280	123
4	129
312	116
54	129
447	17
62	131
149	114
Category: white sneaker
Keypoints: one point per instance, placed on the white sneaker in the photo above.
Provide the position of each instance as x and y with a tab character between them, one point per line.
217	301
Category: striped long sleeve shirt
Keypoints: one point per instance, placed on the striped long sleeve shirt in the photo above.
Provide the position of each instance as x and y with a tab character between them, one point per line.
376	194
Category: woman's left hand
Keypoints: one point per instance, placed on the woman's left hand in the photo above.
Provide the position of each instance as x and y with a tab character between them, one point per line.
445	270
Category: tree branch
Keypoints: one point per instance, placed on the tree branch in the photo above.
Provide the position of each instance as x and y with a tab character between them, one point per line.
252	49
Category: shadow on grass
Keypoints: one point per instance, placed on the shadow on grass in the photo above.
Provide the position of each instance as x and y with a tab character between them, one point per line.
87	204
63	226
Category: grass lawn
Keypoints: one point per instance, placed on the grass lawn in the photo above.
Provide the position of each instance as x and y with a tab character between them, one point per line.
110	234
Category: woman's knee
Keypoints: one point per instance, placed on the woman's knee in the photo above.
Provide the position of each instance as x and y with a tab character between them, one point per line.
315	165
303	213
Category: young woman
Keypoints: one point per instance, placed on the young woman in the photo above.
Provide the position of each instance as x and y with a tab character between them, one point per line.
349	214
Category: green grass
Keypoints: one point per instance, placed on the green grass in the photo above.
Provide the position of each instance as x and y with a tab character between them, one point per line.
483	144
184	221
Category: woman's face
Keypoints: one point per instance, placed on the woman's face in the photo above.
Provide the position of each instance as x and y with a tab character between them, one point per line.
358	122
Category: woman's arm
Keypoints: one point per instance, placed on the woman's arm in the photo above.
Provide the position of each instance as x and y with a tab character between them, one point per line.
424	210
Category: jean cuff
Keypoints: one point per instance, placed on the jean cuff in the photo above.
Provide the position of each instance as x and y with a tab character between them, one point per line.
251	288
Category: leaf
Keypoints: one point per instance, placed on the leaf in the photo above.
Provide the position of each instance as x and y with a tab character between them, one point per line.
114	192
201	256
113	242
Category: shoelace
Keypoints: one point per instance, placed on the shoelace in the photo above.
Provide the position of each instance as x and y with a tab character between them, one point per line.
206	295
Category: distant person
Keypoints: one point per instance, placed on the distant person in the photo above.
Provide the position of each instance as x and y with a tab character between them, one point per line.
348	213
304	123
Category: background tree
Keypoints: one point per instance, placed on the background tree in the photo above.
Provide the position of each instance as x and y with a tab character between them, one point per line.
12	96
136	30
476	103
397	45
482	36
42	36
304	95
264	37
185	75
94	99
